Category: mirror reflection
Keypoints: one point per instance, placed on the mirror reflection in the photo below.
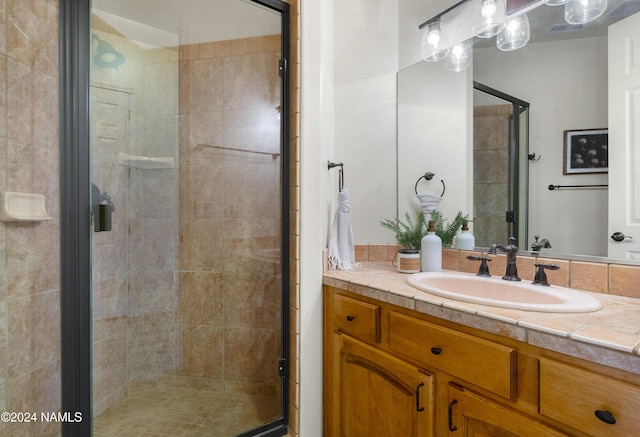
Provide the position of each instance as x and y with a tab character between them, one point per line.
563	73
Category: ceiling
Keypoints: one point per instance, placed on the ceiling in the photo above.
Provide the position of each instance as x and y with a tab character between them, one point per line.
547	23
166	23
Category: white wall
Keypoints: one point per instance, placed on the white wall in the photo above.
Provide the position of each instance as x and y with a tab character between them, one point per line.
567	89
366	62
435	135
316	139
348	115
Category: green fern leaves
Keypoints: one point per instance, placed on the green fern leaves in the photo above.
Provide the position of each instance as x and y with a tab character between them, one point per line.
408	234
447	231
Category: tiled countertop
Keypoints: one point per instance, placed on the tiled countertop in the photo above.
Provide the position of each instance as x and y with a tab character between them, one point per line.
610	336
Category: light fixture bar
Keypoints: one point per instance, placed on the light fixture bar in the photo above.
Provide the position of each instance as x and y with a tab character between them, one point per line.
511	10
437	17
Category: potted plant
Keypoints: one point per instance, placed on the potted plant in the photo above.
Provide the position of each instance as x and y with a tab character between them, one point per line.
408	235
447	230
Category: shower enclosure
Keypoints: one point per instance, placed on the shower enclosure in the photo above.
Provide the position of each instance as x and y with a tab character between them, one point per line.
175	236
500	176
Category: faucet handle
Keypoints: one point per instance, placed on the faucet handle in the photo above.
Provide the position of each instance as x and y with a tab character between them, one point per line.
484	268
541	276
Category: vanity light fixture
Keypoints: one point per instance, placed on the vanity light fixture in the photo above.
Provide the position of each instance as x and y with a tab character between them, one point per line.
435	45
516	33
489	18
459	57
583	11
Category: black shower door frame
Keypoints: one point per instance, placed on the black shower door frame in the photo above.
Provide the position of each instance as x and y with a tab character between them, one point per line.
74	29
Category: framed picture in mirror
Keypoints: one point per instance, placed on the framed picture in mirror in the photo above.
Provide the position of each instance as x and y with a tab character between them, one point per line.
586	151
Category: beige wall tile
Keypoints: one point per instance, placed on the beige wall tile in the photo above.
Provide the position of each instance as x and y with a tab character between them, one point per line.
238	47
377	252
31	36
202	351
526	269
361	252
201	298
392	252
35	391
189	52
450	259
624	280
589	276
206	50
223	48
255	45
245	353
250	301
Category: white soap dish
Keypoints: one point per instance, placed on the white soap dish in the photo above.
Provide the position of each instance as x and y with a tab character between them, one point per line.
22	207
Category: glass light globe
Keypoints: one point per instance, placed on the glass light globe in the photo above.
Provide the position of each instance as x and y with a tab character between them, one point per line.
516	33
488	8
435	45
489	17
583	11
459	57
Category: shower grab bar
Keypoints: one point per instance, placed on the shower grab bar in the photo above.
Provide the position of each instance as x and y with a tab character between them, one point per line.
257	152
553	187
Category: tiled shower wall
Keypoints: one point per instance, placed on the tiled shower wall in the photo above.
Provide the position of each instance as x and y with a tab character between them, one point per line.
29	265
229	282
188	288
490	172
135	300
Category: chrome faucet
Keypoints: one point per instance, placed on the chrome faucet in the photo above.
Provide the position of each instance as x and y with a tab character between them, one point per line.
511	249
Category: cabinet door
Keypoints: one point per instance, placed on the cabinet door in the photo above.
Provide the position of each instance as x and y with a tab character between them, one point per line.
380	395
472	415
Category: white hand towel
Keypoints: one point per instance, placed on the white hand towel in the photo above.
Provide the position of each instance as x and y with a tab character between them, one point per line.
341	251
429	203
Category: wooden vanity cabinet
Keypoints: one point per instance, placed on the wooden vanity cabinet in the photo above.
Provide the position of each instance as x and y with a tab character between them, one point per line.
376	394
391	372
473	415
483	363
592	403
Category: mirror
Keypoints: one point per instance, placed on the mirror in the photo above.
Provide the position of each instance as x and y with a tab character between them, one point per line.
562	73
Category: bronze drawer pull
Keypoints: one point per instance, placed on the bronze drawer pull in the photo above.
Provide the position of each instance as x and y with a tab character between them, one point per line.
436	350
605	416
350	318
418	407
451	404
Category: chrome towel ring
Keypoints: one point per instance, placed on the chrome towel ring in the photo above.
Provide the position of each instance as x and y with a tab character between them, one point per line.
427	177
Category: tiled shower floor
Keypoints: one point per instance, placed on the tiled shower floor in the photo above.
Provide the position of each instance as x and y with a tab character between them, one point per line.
176	411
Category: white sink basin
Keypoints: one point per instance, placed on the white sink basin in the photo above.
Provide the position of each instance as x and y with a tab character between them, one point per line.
495	291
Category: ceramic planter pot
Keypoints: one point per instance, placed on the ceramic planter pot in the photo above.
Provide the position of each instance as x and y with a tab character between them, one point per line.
408	261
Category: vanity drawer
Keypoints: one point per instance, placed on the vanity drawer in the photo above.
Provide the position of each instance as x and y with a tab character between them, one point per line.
488	365
356	318
573	396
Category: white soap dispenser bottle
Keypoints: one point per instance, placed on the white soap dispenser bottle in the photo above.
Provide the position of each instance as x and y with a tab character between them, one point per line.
431	251
465	239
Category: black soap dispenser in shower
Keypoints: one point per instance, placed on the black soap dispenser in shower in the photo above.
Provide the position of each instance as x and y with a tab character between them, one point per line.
102	209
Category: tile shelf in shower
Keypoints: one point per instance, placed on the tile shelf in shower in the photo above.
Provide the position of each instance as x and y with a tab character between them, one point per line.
145	162
22	207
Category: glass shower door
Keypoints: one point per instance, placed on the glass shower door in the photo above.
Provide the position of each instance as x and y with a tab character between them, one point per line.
187	217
